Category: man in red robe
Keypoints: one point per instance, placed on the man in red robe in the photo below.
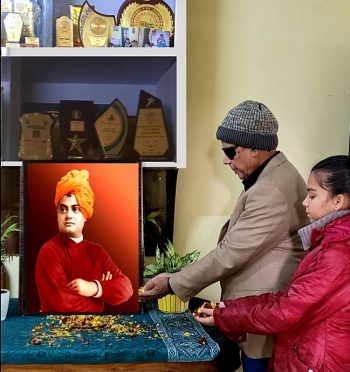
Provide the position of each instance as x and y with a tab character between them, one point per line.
74	274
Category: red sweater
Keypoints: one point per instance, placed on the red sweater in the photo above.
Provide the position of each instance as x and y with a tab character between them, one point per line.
61	260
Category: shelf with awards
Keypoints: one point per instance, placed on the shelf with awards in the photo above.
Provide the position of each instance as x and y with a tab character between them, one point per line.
35	89
90	23
36	80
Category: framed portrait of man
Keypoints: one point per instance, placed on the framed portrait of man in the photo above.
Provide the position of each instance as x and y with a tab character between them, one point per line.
82	248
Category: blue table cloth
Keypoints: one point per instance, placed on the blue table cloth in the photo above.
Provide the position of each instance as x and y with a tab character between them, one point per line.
150	337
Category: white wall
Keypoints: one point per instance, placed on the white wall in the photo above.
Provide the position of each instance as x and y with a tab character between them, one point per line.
293	55
12	267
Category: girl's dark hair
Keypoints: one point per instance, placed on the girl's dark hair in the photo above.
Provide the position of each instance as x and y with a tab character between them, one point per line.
333	174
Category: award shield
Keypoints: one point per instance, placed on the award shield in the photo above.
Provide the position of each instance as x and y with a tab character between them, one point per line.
112	128
76	120
64	32
151	140
94	27
35	141
154	14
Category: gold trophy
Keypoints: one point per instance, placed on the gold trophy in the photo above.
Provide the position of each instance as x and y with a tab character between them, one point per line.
64	32
94	27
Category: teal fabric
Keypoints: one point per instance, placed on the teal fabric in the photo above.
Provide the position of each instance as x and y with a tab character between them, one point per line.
167	337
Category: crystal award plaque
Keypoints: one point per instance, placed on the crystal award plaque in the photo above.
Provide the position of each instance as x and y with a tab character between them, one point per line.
13	24
35	141
112	128
151	138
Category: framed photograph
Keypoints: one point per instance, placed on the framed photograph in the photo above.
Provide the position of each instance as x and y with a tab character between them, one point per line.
82	246
130	36
160	39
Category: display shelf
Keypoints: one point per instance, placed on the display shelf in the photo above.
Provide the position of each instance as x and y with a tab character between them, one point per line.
50	74
88	52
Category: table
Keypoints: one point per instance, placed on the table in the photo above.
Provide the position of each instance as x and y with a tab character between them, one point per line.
153	341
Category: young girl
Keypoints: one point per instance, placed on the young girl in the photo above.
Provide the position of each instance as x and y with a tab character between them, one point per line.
311	317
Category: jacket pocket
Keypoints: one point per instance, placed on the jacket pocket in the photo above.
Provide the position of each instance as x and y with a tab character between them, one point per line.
310	352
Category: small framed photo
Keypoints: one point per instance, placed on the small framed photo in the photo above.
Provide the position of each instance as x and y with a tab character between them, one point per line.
115	40
160	39
144	37
130	36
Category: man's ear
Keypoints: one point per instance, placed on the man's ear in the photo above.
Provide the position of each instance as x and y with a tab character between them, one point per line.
254	153
341	201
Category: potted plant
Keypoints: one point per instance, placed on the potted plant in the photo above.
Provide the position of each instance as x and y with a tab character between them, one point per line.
170	262
7	229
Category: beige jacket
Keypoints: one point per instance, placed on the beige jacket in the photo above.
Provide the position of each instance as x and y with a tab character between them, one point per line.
258	247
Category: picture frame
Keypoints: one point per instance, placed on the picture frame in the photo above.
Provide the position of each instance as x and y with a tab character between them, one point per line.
116	223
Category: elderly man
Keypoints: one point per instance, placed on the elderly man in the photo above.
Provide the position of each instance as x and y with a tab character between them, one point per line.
74	274
258	248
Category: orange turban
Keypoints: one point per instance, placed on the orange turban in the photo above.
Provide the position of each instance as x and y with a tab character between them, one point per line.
77	183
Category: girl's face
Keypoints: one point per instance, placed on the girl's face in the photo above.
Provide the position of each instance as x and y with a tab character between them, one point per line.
318	202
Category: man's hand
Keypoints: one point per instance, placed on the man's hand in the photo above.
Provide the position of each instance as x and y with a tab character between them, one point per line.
83	287
156	288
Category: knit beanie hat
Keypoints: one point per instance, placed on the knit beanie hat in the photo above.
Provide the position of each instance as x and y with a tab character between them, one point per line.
250	124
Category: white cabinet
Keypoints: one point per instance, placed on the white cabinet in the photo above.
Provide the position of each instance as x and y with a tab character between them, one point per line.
39	77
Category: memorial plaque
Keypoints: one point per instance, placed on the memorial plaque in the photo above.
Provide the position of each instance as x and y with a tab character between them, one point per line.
13	24
151	138
64	32
112	129
36	140
94	27
76	120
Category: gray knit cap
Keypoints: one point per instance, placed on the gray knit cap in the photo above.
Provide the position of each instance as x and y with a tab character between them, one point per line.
250	124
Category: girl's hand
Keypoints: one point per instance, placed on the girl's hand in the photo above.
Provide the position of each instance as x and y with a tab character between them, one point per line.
208	320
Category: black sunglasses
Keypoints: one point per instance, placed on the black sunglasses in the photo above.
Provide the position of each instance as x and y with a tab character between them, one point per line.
230	152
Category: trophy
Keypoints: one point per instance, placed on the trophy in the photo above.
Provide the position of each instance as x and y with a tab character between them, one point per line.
64	32
30	12
76	120
13	24
112	128
35	141
94	27
74	13
151	138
